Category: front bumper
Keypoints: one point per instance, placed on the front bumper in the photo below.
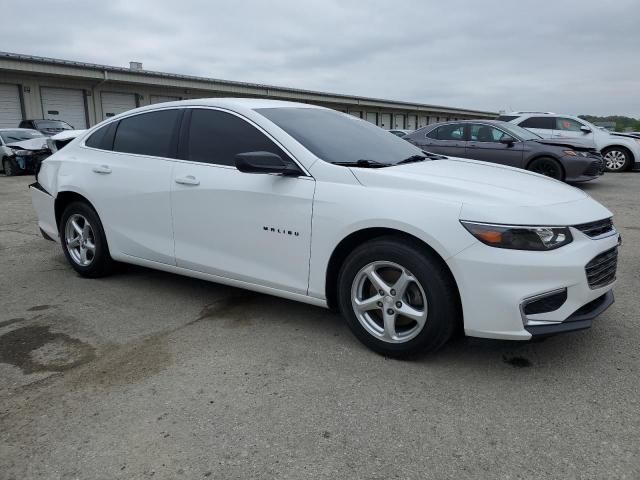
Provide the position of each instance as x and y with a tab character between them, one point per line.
583	169
495	283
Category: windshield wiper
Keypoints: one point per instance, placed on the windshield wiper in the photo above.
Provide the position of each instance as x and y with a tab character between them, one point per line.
413	159
363	163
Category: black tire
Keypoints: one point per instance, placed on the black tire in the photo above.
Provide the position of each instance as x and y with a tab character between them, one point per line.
10	167
547	166
443	311
613	164
101	263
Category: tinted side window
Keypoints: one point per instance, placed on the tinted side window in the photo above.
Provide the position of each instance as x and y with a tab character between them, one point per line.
546	123
216	137
433	133
568	124
451	132
147	134
103	137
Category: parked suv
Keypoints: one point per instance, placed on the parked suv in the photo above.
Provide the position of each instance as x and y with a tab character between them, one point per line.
48	127
620	153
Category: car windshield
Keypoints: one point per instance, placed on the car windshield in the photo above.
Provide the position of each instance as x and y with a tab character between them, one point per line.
10	136
520	132
340	138
53	124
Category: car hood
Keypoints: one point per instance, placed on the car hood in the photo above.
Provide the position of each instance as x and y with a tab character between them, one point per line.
573	143
39	143
489	192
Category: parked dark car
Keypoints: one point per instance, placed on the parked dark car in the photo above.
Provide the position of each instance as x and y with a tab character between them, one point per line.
48	127
400	132
566	159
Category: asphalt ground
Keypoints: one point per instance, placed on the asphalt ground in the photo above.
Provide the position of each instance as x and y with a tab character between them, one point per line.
150	375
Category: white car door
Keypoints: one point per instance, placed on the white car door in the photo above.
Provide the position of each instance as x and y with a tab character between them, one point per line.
254	228
542	125
127	169
570	128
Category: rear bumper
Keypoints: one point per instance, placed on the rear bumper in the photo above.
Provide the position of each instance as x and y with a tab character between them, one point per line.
44	205
580	320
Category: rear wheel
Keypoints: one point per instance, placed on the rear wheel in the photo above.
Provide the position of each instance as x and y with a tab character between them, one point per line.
548	167
616	159
84	242
10	166
396	298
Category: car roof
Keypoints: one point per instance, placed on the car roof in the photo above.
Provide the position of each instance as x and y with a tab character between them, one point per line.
230	102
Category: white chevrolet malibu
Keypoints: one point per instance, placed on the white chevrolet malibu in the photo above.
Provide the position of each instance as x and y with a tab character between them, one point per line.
317	206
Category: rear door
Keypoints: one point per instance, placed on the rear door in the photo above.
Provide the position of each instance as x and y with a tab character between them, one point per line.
542	125
254	228
484	144
449	139
128	178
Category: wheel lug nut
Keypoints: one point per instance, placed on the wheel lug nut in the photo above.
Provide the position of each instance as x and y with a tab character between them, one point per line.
390	312
380	304
381	292
398	304
393	292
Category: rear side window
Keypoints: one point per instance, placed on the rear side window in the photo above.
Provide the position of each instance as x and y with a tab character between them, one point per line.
545	123
147	134
103	137
448	132
217	137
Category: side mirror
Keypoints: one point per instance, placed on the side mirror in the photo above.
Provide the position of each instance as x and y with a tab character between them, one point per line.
507	140
265	162
585	129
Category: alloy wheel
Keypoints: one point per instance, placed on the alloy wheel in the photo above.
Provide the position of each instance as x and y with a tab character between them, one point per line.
389	302
548	169
80	240
615	160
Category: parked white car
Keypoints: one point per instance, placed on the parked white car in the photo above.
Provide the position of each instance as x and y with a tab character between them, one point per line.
620	153
313	205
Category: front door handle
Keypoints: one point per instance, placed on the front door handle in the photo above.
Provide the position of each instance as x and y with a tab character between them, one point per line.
188	180
103	169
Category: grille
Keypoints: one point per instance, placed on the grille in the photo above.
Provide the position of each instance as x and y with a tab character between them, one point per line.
601	270
595	168
595	229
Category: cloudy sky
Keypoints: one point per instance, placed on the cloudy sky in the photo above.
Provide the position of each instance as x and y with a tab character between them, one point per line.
562	55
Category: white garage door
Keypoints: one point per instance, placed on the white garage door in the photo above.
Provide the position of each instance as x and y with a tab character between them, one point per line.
356	113
423	121
398	121
115	103
412	122
386	121
372	117
64	104
10	110
162	98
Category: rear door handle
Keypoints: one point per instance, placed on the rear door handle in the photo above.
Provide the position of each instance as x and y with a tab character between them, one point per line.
188	180
103	169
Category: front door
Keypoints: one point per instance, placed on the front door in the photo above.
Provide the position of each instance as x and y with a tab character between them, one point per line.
484	144
254	228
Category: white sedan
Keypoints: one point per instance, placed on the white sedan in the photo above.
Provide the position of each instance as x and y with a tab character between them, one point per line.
317	206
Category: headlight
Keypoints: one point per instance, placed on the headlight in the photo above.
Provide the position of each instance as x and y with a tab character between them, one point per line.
519	237
23	153
573	153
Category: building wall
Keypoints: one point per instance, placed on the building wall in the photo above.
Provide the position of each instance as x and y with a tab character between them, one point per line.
94	82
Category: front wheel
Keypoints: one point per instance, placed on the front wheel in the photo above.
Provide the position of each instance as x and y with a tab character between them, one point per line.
548	167
84	242
616	159
397	299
